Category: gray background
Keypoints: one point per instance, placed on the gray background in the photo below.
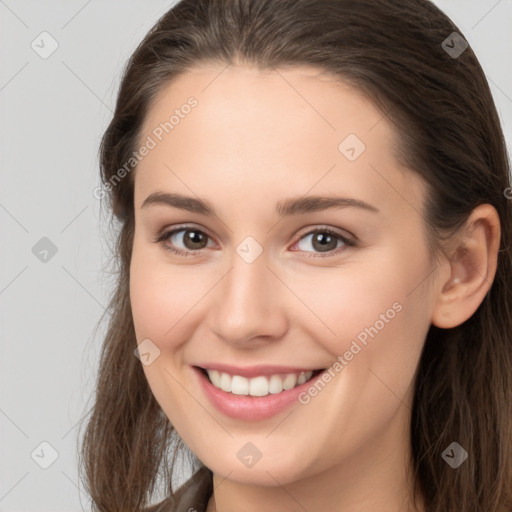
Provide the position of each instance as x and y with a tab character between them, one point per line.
53	113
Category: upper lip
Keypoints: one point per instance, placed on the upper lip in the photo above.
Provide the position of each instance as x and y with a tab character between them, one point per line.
254	371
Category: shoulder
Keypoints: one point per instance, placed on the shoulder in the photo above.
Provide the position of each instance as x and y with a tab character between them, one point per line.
192	495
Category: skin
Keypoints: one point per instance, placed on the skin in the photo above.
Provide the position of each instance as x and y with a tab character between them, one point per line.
256	138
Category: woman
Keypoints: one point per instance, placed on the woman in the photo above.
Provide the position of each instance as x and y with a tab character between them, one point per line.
314	298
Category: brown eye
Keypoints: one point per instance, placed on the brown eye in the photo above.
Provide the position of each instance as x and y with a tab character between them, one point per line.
194	239
184	240
325	242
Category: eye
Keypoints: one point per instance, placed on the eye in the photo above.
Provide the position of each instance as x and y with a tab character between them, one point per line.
324	240
191	238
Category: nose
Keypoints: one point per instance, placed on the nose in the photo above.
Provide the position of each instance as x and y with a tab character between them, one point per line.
248	306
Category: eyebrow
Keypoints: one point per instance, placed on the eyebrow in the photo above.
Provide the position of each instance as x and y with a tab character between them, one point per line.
285	208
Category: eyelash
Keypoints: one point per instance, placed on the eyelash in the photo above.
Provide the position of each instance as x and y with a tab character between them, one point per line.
167	234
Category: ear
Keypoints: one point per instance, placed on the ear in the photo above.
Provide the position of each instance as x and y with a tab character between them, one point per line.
473	267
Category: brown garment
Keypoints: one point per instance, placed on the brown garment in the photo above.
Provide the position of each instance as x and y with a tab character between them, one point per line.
192	496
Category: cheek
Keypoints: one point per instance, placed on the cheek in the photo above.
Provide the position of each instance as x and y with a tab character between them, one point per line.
163	295
343	301
162	300
374	310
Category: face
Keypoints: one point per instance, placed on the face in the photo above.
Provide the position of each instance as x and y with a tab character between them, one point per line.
274	281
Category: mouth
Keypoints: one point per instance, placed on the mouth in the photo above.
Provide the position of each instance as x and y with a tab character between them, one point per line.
258	386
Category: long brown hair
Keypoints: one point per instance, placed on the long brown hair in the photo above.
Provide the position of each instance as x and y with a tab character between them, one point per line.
396	52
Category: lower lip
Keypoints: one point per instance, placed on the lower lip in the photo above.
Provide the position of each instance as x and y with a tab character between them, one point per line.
250	408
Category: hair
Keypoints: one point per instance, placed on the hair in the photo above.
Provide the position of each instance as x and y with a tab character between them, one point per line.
447	131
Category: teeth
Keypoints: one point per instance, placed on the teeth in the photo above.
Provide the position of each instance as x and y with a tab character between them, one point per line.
257	386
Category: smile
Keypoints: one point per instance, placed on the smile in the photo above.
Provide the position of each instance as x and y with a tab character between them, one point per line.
260	385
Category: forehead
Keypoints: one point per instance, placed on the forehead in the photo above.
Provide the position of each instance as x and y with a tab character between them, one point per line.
297	99
293	128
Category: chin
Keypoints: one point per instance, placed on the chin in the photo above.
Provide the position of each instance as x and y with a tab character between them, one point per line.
270	474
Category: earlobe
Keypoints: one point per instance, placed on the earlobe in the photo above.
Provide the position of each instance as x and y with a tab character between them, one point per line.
472	266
